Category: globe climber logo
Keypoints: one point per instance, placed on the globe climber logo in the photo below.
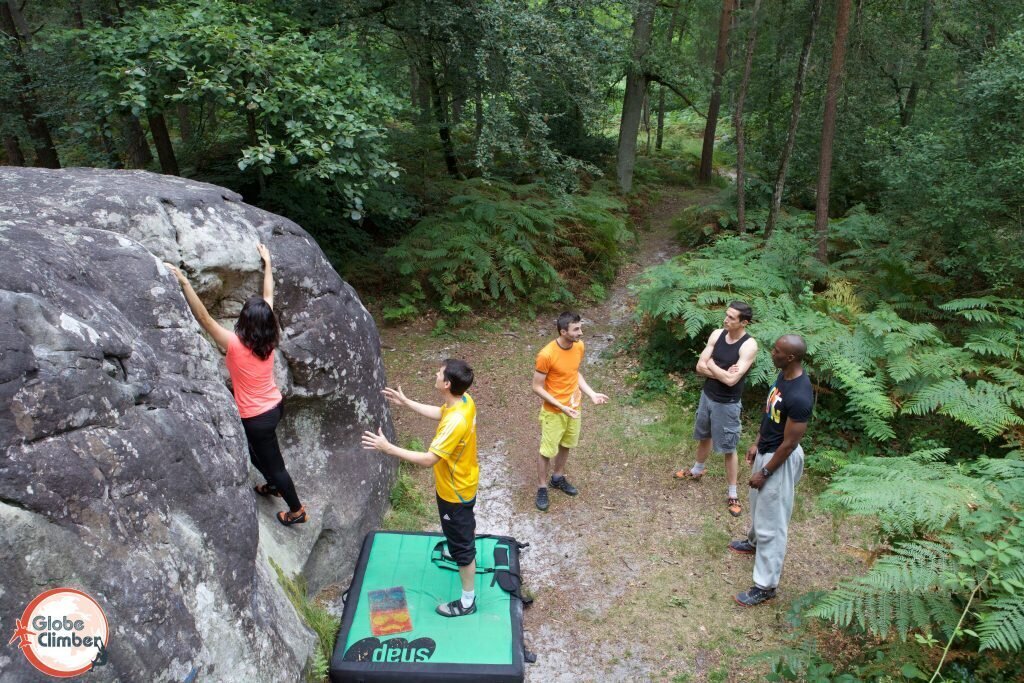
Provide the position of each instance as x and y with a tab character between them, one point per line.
63	633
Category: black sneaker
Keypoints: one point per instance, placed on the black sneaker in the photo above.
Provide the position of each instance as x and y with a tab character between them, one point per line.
754	596
542	499
455	609
562	484
743	547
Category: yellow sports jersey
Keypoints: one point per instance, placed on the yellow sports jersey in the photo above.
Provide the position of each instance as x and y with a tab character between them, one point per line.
456	474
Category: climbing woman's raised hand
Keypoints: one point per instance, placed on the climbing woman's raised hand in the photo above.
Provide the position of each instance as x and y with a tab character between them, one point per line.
177	273
264	253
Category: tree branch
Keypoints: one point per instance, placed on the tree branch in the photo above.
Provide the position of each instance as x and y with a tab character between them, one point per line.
655	78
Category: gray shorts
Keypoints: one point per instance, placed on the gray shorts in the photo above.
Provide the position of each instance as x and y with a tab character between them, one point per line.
719	422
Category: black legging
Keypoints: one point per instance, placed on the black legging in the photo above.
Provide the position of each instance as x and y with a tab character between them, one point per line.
265	454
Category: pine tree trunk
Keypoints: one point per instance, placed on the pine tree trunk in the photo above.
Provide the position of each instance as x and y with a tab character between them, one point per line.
721	55
919	66
794	119
12	149
162	141
13	24
828	127
741	211
632	102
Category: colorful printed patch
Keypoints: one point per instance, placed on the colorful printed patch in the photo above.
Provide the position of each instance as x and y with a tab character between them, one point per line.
389	612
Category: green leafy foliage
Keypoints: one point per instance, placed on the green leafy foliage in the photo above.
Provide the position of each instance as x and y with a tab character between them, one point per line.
959	570
502	245
885	368
313	110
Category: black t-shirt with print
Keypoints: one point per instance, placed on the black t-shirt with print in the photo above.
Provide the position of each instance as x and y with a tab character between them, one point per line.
788	400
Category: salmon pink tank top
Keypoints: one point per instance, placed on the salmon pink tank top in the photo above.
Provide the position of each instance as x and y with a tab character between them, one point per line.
252	378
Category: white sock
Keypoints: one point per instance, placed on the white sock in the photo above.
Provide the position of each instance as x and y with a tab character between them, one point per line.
698	468
467	598
732	491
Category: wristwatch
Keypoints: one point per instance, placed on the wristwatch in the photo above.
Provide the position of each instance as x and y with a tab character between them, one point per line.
765	472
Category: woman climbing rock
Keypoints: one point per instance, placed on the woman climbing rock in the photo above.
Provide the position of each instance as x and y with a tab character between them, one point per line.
250	361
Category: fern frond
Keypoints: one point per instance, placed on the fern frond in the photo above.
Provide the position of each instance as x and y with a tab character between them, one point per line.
1002	627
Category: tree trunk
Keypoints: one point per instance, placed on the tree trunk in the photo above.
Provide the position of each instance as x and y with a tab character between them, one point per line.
828	127
12	149
645	120
254	140
741	209
794	119
162	142
919	66
478	113
632	102
721	55
184	114
136	147
661	89
437	99
13	24
660	135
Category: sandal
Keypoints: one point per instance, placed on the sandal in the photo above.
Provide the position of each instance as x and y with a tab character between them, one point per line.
733	506
687	473
267	490
289	518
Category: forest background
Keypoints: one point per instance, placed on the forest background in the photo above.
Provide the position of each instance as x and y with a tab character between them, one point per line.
488	157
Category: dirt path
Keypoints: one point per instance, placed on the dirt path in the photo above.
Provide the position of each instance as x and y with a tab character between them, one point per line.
631	578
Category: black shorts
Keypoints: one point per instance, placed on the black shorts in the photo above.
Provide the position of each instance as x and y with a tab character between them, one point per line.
459	526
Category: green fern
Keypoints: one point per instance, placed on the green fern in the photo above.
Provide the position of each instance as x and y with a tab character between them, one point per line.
503	245
965	531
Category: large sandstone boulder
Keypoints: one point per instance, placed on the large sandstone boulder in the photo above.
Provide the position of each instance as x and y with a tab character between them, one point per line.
123	465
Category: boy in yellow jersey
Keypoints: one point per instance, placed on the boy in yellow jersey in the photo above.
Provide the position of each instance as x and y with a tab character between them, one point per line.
557	380
452	454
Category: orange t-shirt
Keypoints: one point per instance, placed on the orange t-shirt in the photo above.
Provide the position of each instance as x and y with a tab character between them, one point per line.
562	367
252	378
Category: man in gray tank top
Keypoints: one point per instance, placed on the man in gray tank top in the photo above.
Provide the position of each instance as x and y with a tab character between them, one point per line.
725	362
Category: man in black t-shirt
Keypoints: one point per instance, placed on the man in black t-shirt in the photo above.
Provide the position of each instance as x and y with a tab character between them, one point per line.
777	463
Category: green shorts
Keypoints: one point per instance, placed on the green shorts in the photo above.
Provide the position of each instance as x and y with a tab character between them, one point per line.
557	429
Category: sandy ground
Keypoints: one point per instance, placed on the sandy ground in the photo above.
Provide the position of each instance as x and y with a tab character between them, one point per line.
632	580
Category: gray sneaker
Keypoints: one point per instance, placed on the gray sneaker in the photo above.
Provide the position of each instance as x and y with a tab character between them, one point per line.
542	499
754	596
743	547
563	485
455	609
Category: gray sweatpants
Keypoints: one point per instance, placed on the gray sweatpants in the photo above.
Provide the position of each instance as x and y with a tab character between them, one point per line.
770	510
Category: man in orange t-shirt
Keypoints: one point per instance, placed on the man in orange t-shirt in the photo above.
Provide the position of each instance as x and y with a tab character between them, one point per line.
557	380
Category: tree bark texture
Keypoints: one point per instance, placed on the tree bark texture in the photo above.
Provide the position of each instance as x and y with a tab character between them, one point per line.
633	101
741	210
440	110
184	113
920	64
828	127
13	24
12	150
794	120
136	148
721	56
162	142
661	89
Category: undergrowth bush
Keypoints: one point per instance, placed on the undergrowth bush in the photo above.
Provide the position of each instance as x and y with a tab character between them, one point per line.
499	245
